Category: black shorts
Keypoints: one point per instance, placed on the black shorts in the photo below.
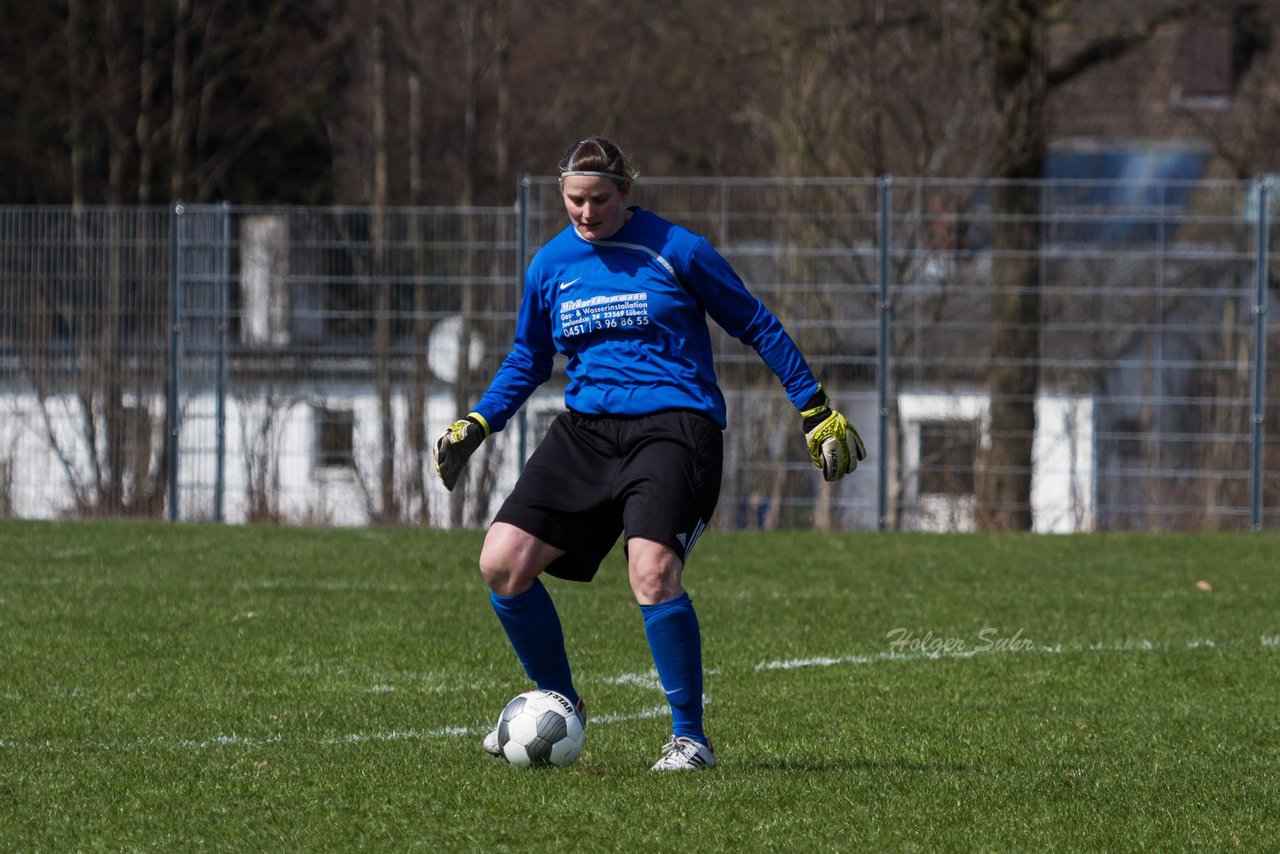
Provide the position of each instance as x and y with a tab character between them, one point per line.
594	477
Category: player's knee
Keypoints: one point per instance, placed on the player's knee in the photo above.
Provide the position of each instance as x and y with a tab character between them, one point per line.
654	571
499	572
507	566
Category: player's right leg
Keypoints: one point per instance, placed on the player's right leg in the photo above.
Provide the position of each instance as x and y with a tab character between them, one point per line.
511	561
560	502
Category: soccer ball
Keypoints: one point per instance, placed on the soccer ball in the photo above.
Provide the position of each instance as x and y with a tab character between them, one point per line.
540	728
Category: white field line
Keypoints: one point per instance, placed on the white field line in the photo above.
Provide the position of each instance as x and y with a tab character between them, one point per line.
303	586
942	654
265	585
647	680
234	740
644	680
466	731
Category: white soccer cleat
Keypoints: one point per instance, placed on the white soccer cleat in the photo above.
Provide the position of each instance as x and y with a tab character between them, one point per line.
685	754
494	748
491	745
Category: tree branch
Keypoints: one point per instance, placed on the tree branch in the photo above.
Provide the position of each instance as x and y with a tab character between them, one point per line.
1113	47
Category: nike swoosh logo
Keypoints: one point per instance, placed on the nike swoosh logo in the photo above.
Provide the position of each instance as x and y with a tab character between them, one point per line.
564	285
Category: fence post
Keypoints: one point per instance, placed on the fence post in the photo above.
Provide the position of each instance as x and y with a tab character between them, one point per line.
172	447
522	260
1263	184
220	415
882	364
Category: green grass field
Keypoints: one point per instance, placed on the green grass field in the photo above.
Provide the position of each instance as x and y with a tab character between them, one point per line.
179	687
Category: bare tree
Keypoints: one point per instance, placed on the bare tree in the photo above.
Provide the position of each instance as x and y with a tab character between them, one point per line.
389	504
76	57
1015	36
178	130
416	439
263	415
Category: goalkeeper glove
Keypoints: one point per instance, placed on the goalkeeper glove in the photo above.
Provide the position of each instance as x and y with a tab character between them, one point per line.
456	445
828	434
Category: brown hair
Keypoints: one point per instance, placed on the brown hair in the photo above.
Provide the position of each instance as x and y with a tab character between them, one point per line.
599	155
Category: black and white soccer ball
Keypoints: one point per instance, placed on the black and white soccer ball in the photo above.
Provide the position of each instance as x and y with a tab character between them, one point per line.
540	728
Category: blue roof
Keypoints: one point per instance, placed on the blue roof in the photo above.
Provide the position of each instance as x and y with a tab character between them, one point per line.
1114	195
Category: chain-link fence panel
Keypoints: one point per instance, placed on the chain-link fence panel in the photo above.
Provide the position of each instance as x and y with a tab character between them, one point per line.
1051	355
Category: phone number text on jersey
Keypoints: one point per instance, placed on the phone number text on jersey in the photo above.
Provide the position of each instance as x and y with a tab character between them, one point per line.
578	317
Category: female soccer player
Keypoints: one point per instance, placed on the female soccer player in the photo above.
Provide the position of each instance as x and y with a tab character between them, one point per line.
625	295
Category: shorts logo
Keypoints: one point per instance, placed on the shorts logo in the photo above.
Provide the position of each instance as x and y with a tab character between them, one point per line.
687	541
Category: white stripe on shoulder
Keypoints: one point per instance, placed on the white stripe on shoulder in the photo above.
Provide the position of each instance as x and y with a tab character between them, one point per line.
666	265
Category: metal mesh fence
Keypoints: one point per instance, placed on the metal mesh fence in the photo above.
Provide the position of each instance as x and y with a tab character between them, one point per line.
1052	355
322	352
1099	336
83	362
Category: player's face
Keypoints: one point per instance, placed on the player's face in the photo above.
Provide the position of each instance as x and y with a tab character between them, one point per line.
595	205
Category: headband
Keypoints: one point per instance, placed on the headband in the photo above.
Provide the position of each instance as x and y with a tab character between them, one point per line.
576	173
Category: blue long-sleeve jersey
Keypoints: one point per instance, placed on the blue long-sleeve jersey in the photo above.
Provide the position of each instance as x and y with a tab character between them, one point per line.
630	313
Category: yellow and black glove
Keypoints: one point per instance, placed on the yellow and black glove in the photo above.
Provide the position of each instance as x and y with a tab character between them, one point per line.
456	445
834	446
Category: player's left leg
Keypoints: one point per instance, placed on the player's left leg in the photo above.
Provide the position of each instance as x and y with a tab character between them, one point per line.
671	626
671	481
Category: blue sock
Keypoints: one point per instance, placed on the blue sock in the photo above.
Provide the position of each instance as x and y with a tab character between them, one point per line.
533	627
676	643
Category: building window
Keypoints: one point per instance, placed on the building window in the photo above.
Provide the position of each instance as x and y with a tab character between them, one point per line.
264	269
1206	57
1217	54
948	451
335	438
1127	433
